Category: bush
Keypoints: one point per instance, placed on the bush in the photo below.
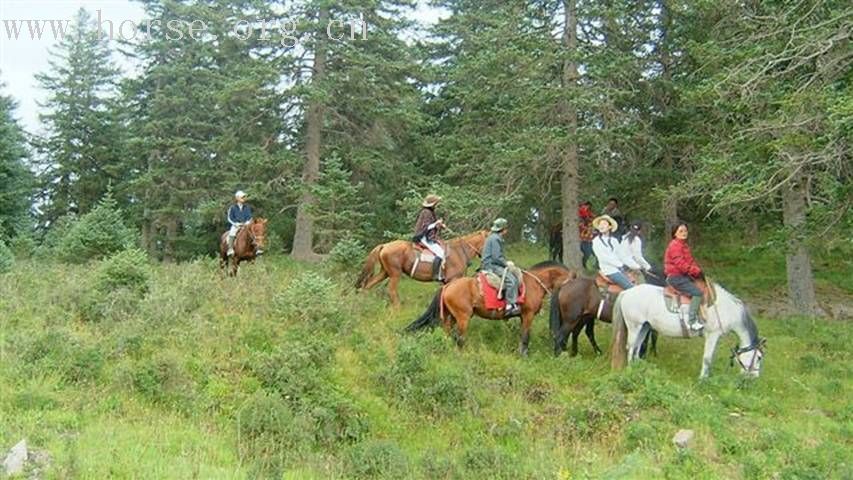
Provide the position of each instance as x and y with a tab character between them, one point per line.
347	254
311	298
128	269
96	234
23	246
120	282
163	380
438	387
377	458
7	259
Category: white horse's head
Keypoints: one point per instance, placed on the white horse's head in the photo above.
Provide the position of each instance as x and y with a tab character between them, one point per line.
749	358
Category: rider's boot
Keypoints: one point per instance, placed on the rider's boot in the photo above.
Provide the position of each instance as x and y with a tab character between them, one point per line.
693	314
230	246
511	310
436	269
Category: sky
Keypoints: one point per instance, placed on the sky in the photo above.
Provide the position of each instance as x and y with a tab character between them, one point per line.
22	58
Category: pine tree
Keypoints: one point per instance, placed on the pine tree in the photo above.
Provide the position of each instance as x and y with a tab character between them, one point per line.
205	123
16	181
81	150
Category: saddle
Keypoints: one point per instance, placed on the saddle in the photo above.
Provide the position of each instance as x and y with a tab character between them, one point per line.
677	302
423	254
489	283
606	285
674	299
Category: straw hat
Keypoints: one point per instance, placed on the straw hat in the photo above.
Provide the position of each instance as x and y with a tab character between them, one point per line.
499	224
431	200
609	219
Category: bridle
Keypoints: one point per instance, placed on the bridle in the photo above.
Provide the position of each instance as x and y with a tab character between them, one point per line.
757	345
464	251
542	284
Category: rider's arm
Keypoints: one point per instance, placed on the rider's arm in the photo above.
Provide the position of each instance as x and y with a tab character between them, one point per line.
231	219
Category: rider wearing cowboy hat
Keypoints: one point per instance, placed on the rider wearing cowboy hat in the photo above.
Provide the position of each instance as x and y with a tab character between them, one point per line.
239	214
607	250
427	233
494	261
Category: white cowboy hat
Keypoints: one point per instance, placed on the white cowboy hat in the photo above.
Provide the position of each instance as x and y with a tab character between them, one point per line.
431	200
240	194
609	219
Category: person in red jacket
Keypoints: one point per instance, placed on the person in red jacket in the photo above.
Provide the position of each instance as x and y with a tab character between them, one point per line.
680	269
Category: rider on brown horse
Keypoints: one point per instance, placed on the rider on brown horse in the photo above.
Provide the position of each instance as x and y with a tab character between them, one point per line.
427	230
239	215
494	261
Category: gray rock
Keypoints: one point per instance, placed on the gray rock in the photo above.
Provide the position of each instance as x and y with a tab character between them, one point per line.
682	438
16	458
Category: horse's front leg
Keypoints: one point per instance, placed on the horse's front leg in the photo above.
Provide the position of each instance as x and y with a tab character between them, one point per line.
711	339
526	321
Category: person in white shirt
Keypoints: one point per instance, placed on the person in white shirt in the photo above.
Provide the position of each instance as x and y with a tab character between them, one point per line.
607	249
633	243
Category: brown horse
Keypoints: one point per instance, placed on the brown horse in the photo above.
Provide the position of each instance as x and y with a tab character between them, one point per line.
398	257
461	298
249	239
577	305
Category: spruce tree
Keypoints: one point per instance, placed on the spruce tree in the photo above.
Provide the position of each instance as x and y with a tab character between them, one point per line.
16	180
80	152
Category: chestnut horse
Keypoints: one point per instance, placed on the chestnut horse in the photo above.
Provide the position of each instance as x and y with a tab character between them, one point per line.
398	257
249	239
461	298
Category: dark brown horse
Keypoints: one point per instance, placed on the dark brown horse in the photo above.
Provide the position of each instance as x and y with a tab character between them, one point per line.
576	306
460	299
398	257
248	241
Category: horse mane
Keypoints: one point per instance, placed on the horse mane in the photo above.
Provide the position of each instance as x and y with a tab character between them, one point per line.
549	263
750	325
746	318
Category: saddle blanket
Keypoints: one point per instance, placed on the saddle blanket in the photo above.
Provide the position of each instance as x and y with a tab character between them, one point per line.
490	293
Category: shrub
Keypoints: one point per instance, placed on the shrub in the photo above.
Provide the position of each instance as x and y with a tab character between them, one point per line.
7	259
311	298
83	364
96	234
128	269
347	254
439	387
377	459
163	380
120	282
23	246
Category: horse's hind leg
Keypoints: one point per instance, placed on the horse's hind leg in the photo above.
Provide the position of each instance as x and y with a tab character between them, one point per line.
561	339
375	278
590	334
633	343
576	331
393	282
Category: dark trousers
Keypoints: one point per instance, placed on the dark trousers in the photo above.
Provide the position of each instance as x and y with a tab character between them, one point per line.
586	250
684	284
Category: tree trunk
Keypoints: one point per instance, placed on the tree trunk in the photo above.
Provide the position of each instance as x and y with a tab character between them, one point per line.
569	179
303	237
171	239
800	280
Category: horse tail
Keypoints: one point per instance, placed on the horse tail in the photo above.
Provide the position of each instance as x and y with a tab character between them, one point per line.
556	314
619	347
430	317
367	269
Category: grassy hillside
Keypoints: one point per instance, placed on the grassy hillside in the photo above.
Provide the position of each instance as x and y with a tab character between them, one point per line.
197	376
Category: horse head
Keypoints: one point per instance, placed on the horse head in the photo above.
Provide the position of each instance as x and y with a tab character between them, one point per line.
552	274
749	358
258	232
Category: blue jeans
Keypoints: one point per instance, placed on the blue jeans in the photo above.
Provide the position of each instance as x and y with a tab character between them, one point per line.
620	279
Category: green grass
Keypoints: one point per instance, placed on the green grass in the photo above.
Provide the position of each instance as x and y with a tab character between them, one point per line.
206	377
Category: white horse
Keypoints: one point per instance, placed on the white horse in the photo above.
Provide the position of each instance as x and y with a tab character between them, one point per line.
642	307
